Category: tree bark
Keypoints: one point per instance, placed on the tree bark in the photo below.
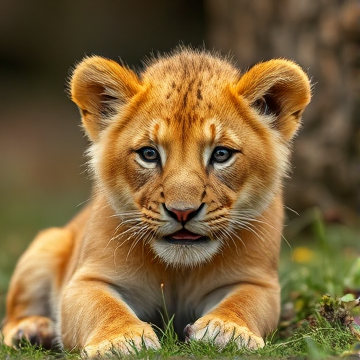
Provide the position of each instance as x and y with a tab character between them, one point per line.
323	36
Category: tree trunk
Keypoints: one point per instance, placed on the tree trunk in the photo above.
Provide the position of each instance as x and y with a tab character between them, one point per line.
323	36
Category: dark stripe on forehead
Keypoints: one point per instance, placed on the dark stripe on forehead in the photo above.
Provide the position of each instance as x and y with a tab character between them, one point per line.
213	132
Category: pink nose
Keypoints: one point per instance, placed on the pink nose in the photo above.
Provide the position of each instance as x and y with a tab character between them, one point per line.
182	215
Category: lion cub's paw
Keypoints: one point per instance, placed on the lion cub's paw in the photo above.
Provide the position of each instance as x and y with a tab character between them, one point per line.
37	330
126	343
222	332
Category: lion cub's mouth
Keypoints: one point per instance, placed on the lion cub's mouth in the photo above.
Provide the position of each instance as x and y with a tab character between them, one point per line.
185	237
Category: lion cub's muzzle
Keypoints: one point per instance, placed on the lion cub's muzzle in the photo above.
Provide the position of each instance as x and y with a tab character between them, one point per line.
184	236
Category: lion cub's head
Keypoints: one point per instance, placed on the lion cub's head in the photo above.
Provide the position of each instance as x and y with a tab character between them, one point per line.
190	150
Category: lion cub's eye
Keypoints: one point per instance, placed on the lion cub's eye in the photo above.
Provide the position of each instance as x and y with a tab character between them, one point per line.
149	154
221	154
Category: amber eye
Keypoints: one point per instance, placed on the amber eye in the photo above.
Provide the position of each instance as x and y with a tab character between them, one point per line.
221	154
149	154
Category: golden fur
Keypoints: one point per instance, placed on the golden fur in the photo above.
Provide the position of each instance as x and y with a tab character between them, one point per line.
188	160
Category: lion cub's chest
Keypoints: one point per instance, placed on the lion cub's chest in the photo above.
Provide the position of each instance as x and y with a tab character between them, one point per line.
185	297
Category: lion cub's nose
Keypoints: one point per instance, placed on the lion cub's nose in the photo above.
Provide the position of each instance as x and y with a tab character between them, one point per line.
182	215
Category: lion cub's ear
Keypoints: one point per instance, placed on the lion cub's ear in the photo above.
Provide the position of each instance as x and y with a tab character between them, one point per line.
100	87
279	88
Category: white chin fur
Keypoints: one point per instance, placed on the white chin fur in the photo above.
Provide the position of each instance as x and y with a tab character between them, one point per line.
178	255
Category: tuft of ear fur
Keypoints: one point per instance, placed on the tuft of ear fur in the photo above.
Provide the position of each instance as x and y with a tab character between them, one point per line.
100	87
281	88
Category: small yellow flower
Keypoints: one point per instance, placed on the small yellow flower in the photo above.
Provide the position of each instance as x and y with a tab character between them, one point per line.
299	305
302	255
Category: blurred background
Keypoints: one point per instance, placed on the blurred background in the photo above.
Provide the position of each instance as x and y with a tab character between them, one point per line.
42	177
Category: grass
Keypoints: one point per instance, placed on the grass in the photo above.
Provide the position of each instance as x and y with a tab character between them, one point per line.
317	322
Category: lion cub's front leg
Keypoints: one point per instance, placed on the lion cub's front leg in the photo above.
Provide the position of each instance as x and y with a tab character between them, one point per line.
97	321
245	316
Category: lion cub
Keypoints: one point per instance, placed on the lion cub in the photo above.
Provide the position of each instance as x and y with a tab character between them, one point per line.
188	159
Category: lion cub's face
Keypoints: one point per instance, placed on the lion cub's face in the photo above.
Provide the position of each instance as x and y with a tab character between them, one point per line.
192	151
